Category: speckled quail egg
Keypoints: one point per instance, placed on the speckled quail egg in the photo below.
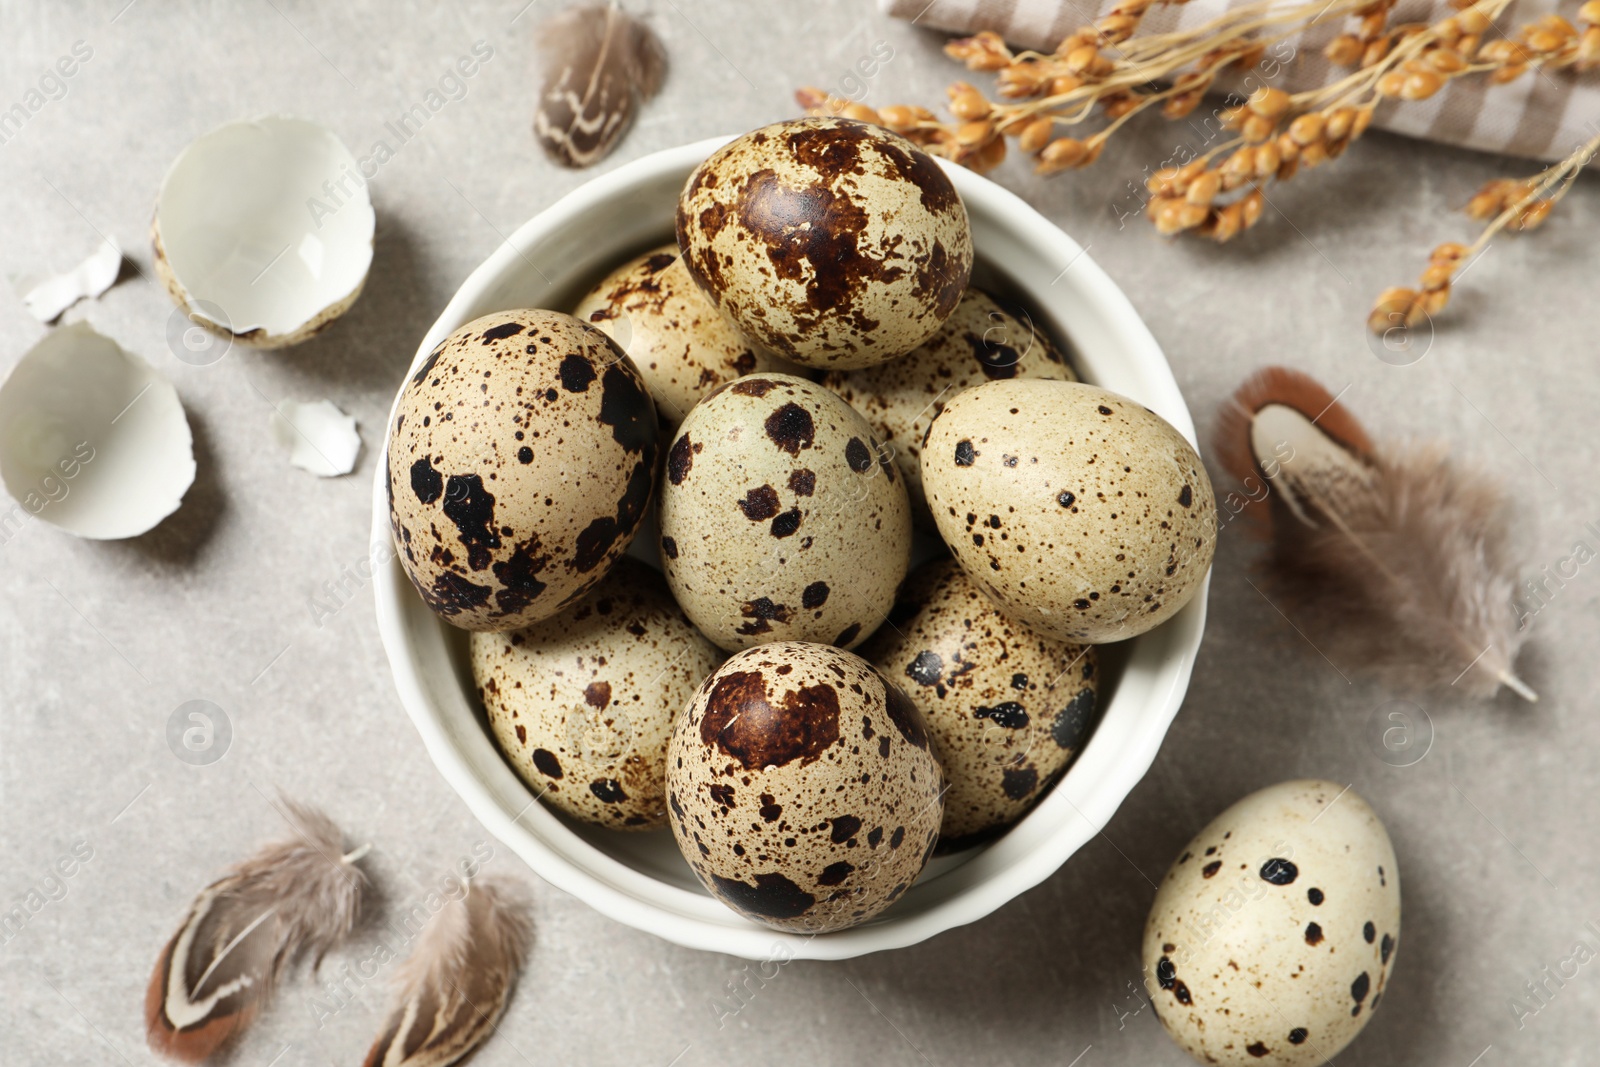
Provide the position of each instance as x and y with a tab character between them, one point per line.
681	343
983	341
582	704
830	241
802	788
521	459
1084	515
782	518
1273	935
1008	710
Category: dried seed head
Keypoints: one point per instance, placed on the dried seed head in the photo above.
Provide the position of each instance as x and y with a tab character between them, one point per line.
1036	135
1392	83
1227	223
972	134
1339	123
1082	60
1163	182
1204	189
1062	84
1590	12
1449	252
1433	301
1372	26
1313	155
1288	150
1116	28
1060	154
1437	276
1022	80
1250	56
1182	104
898	117
863	113
1363	120
1251	207
966	103
1376	52
1240	167
981	51
1473	21
1507	74
1257	128
1485	205
1446	60
1116	105
1269	102
1307	128
1421	85
1530	217
1267	160
1589	49
989	155
1545	41
1345	50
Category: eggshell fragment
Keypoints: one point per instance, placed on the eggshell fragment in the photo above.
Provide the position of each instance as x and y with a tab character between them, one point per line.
803	788
263	230
582	704
983	341
681	343
834	243
320	438
1008	710
1084	515
1273	935
93	439
46	298
781	517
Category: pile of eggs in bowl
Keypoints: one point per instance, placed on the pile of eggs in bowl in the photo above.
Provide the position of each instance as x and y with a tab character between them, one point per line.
800	384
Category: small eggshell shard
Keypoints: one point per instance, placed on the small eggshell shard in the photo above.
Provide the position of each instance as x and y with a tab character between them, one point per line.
1008	710
46	298
582	704
802	787
782	518
1273	935
263	231
521	461
984	340
681	343
832	242
1084	515
320	438
92	439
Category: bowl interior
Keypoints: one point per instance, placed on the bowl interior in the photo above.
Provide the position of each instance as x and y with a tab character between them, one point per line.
640	879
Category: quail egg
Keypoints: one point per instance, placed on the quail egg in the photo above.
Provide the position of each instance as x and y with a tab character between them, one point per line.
1084	515
1008	710
520	463
677	338
1273	935
582	703
782	518
830	241
802	788
984	340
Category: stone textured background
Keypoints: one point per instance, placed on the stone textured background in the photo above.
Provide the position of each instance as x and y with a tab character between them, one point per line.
99	643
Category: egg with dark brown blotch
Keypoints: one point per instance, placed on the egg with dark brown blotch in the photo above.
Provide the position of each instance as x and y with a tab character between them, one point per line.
676	337
1273	935
1008	710
802	787
983	341
520	462
1084	515
782	517
582	704
832	242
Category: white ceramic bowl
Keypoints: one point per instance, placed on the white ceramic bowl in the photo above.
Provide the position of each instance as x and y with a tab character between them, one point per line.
640	879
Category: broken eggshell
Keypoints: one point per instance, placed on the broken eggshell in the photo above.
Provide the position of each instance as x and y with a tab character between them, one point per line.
92	439
48	296
318	436
263	231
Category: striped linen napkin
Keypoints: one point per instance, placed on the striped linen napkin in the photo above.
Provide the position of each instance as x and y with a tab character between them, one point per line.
1543	115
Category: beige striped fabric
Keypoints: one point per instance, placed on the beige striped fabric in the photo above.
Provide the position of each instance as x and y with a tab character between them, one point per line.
1543	115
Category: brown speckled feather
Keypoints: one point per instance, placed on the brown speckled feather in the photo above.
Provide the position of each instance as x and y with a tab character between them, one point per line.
1392	560
292	899
456	983
599	63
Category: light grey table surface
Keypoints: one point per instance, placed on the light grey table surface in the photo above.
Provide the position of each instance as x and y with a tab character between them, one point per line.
99	642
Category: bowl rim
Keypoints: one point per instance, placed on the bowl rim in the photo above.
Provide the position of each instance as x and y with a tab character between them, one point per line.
612	887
